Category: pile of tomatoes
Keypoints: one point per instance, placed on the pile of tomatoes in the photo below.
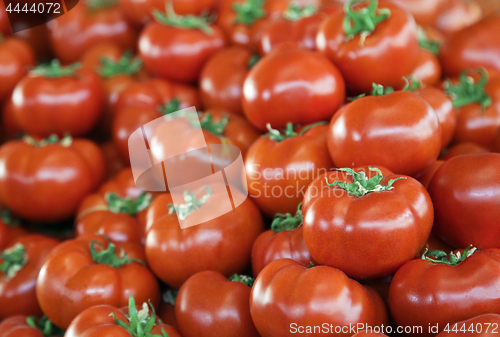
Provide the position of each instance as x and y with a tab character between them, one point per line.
370	134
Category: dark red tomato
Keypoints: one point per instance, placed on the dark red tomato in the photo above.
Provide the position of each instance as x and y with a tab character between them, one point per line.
474	46
54	99
365	222
223	244
51	176
297	86
222	77
20	263
10	126
88	271
167	307
464	148
428	69
486	325
10	229
16	57
361	131
425	12
441	289
205	299
84	26
284	240
92	57
495	147
112	160
24	326
465	192
304	297
425	176
456	15
176	49
108	320
383	54
36	37
4	20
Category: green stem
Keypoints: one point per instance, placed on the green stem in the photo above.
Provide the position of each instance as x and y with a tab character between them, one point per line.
9	219
246	280
425	43
468	91
412	83
253	61
207	123
295	12
289	131
127	65
55	70
98	4
284	222
170	18
379	90
108	256
14	260
50	140
128	205
170	296
191	203
172	106
363	21
45	326
249	11
440	257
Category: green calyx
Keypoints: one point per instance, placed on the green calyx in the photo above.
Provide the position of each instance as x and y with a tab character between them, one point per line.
9	219
287	222
361	185
468	91
288	132
14	260
452	259
207	123
98	4
50	140
363	21
191	203
128	205
295	12
379	90
172	106
246	280
170	18
311	264
253	61
425	43
412	83
140	323
55	70
170	296
249	11
126	65
108	256
45	326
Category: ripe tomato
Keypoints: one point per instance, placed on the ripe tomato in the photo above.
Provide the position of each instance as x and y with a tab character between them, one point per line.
112	160
353	221
55	99
15	326
122	184
167	307
286	83
441	289
4	20
495	147
92	57
464	148
425	12
10	228
223	244
177	47
425	176
20	263
361	131
428	69
456	15
15	58
36	37
296	292
480	326
10	126
205	299
379	45
84	26
280	166
51	176
88	271
465	192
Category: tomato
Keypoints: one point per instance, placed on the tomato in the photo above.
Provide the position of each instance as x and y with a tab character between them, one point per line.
15	326
425	12
205	299
464	148
441	289
280	166
108	320
167	307
113	162
426	175
10	228
496	142
177	47
465	192
4	20
428	69
10	126
55	99
433	243
303	297
353	221
122	184
471	47
379	46
458	14
486	325
85	25
286	83
50	176
223	244
15	58
285	240
20	264
89	271
36	37
361	131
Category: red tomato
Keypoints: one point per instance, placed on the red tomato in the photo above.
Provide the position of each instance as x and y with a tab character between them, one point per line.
84	26
122	184
10	229
425	176
428	69
425	12
297	86
205	299
113	162
20	264
486	325
36	37
361	131
88	271
92	57
458	14
167	307
4	20
466	190
302	297
10	126
55	99
381	52
441	289
464	148
495	147
365	222
16	326
50	176
15	58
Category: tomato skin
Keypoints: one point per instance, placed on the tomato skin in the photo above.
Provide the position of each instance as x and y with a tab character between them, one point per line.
284	82
178	54
464	148
43	106
113	162
52	179
388	54
370	123
466	190
70	281
296	292
9	234
458	14
423	293
10	126
428	70
122	184
426	175
425	12
495	147
15	326
17	295
15	58
478	323
202	304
